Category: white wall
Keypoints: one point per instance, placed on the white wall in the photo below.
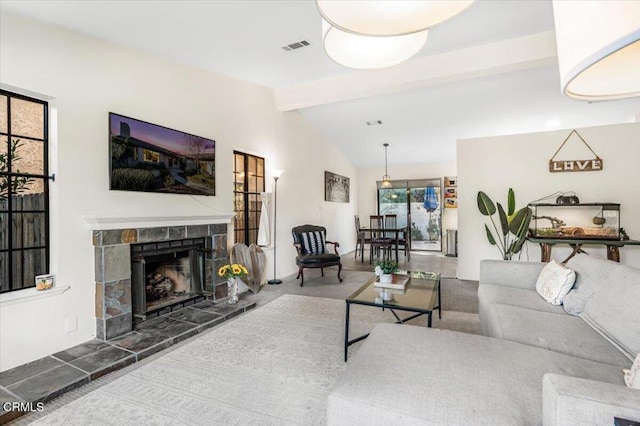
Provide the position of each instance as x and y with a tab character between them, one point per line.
86	78
494	164
367	178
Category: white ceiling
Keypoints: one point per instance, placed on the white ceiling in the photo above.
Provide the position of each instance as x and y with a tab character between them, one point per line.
243	39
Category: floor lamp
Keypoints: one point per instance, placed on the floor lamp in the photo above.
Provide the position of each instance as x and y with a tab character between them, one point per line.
276	176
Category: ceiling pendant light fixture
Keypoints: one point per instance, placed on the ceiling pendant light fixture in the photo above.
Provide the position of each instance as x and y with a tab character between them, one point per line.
373	34
388	17
598	48
386	179
365	52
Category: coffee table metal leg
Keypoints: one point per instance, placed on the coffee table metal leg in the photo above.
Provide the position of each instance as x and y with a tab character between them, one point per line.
429	320
439	300
346	333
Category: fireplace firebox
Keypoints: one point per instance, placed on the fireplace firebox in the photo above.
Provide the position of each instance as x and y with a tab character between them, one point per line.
166	274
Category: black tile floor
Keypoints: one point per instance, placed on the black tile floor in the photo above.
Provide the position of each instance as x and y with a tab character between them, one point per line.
49	377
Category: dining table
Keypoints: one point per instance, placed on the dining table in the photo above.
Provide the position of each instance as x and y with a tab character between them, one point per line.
382	231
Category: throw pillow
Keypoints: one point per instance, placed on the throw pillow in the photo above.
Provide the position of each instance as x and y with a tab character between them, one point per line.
632	376
554	282
313	242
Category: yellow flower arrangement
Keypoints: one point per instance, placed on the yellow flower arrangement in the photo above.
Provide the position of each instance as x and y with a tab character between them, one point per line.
232	271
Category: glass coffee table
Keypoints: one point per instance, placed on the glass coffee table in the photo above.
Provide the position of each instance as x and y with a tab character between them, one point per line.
421	296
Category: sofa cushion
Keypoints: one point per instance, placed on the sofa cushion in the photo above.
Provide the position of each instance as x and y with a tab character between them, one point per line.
614	310
554	282
431	376
591	272
514	296
557	332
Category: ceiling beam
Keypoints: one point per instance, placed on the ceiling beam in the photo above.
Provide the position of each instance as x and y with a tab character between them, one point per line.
480	61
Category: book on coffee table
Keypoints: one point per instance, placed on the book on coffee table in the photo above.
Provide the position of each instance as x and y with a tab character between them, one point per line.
398	282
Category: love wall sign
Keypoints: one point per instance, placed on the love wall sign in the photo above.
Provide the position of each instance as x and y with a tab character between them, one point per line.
591	165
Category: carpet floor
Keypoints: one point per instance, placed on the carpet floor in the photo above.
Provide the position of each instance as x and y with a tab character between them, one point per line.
272	366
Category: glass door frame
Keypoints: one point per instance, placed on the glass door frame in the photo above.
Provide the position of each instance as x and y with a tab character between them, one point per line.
408	184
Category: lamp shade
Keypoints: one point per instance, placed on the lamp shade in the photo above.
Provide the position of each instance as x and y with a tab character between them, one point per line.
365	52
388	17
598	48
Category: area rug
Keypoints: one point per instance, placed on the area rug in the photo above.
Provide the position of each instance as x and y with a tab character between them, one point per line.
272	366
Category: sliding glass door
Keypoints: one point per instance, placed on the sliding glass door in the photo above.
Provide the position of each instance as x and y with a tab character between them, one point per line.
417	203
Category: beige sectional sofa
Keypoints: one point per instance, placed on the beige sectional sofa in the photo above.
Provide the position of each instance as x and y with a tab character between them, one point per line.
535	364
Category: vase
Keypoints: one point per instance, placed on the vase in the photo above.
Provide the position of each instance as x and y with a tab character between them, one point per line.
232	291
386	278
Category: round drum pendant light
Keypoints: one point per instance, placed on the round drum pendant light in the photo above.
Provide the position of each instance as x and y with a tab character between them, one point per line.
388	17
598	48
365	52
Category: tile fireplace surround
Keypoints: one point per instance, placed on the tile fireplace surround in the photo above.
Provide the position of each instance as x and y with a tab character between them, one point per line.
112	249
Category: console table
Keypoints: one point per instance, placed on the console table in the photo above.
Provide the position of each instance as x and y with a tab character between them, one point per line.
613	252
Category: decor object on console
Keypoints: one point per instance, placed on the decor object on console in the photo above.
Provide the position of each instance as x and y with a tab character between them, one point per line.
232	272
151	158
310	243
336	188
514	224
381	33
598	48
276	176
575	221
594	164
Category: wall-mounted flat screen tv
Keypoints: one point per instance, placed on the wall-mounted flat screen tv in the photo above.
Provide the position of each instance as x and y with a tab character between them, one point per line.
151	158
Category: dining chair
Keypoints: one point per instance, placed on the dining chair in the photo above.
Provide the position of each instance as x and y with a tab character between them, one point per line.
361	238
379	242
391	222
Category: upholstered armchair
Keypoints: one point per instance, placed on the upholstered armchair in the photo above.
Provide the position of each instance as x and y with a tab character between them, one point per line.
310	243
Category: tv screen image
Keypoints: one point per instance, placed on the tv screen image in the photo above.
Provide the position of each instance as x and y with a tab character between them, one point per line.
151	158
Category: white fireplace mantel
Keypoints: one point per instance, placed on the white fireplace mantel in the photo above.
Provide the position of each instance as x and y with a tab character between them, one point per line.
97	223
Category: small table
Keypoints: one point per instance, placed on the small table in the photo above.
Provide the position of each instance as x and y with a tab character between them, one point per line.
613	253
421	296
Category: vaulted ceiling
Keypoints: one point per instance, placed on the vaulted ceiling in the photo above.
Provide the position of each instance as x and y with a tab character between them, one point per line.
489	71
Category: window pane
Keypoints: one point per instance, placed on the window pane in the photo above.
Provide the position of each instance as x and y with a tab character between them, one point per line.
239	167
28	229
252	183
34	263
4	119
260	171
4	271
252	165
260	184
27	118
28	156
28	194
4	231
4	148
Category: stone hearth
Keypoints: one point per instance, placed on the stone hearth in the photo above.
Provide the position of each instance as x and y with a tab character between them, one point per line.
113	305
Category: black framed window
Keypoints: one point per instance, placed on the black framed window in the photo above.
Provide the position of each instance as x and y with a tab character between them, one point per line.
24	191
248	183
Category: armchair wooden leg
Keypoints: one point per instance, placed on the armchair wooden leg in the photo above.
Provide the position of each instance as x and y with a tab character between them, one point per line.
301	275
339	270
322	271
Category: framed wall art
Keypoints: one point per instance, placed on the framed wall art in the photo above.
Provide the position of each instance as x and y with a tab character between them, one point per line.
151	158
336	188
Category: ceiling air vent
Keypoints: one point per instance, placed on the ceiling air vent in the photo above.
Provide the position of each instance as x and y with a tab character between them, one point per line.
374	123
296	45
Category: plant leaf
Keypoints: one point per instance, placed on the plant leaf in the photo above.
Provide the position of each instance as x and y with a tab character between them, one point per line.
489	235
511	202
485	205
520	223
504	223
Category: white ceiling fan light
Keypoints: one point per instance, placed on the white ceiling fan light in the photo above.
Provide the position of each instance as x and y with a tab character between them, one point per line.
364	52
388	17
598	46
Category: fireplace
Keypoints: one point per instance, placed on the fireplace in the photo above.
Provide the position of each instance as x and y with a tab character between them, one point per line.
187	255
165	274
